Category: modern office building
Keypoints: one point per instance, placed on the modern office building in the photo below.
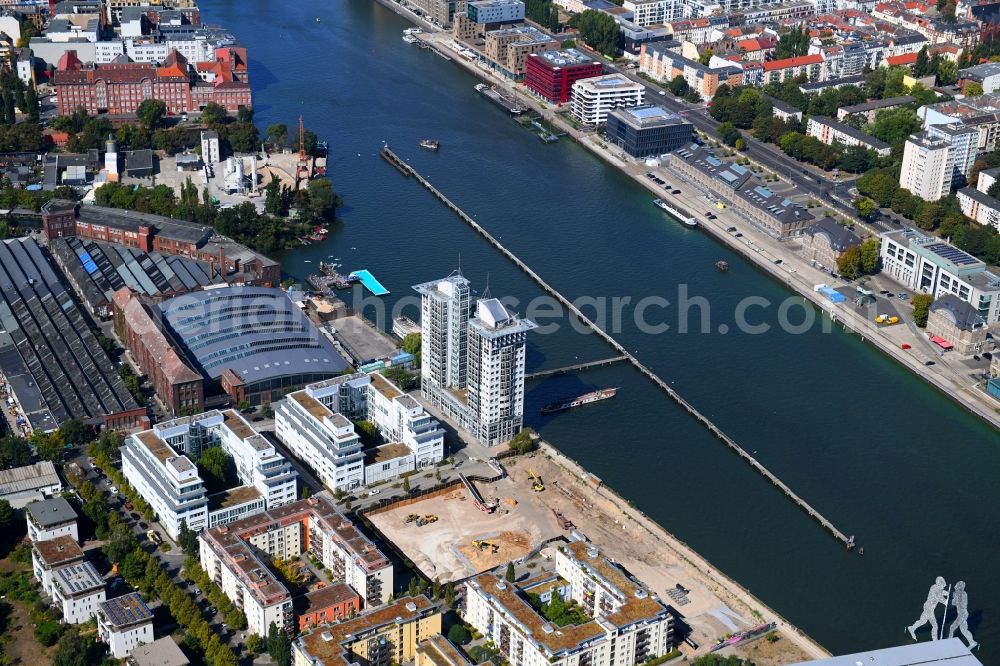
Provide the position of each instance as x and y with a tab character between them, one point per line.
316	425
932	266
628	627
231	555
20	486
473	368
830	131
124	623
381	637
593	99
77	590
157	465
925	167
51	518
552	74
646	131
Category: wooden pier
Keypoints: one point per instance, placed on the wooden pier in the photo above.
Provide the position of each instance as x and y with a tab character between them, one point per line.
576	368
407	170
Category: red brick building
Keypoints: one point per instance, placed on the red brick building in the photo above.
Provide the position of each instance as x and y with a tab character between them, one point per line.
176	383
119	87
551	74
327	605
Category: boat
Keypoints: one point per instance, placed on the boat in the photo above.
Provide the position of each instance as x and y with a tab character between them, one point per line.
722	265
585	399
430	144
409	39
686	220
512	106
317	19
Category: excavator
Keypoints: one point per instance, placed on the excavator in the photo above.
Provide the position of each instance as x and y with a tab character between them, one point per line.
536	482
482	544
410	518
430	518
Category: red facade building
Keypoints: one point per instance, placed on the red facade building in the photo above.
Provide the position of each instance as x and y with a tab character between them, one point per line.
119	87
551	74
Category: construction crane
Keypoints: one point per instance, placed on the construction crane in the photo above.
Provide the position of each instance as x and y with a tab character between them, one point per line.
536	482
302	172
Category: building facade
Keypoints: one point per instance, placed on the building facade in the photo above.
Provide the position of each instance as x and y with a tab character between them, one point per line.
925	167
77	590
830	131
124	623
316	425
826	240
51	518
592	99
980	207
929	265
551	74
32	483
645	131
229	554
955	322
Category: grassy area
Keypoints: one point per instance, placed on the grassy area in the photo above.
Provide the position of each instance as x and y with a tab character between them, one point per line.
559	612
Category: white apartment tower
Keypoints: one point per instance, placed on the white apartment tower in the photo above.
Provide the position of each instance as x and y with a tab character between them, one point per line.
925	171
496	371
472	369
444	317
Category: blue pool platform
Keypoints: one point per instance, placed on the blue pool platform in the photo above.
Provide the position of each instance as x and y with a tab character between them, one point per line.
370	282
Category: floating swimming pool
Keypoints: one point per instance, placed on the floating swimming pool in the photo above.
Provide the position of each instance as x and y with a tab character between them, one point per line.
370	282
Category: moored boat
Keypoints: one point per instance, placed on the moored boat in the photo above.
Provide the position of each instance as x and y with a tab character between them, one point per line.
585	399
722	265
430	144
686	220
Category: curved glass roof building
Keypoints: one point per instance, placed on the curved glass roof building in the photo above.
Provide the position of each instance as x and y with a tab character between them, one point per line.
253	341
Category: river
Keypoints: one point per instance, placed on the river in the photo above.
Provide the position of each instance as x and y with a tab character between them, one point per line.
873	448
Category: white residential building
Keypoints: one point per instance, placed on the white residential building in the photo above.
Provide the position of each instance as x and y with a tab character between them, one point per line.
928	264
654	12
50	555
473	369
77	590
210	147
980	206
629	625
230	556
124	623
155	463
51	518
315	424
592	99
830	131
107	51
925	167
496	371
962	143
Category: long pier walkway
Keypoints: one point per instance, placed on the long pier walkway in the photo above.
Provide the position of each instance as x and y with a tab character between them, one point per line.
408	170
576	367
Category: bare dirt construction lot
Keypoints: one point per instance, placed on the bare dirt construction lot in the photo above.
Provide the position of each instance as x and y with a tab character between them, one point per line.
443	549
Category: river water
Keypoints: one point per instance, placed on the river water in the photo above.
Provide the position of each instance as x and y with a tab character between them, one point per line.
878	452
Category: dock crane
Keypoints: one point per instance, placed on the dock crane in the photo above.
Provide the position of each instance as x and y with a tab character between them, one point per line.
536	481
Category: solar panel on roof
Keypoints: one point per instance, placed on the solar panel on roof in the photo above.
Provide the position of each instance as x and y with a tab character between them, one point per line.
952	254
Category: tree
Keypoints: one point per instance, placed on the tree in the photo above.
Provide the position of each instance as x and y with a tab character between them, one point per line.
947	73
323	202
458	634
449	594
31	103
244	114
278	646
865	208
679	85
7	516
973	89
151	113
254	644
509	575
14	452
894	125
76	432
277	135
216	468
793	43
922	64
411	343
435	588
49	446
213	114
870	255
599	30
406	484
187	539
849	263
267	411
994	189
132	567
921	309
120	543
728	133
72	650
715	659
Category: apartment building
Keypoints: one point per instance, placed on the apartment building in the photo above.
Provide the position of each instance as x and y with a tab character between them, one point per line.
962	151
381	637
980	207
51	518
231	554
829	131
508	48
869	109
925	167
628	627
592	99
157	465
315	424
930	265
654	12
788	69
50	555
124	623
77	590
326	605
552	74
662	62
473	369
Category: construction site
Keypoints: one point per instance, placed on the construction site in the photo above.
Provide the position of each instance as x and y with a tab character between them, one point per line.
468	528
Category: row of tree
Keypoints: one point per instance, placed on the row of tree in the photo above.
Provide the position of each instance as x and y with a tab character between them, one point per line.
543	12
599	30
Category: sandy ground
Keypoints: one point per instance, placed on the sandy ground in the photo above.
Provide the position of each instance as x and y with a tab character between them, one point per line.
715	606
444	549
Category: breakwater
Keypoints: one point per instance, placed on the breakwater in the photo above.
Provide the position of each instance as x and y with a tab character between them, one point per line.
404	168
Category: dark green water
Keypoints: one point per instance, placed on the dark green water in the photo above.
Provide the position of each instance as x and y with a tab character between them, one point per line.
877	451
